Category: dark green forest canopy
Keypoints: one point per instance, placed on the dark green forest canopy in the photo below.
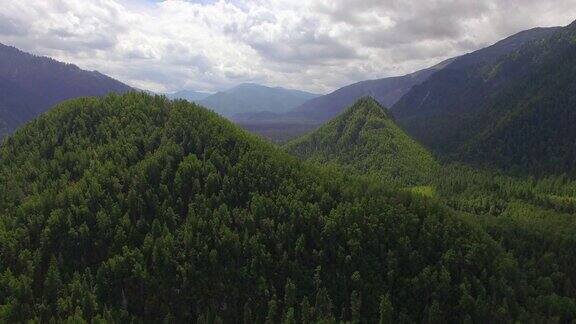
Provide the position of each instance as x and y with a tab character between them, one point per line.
137	208
531	219
366	140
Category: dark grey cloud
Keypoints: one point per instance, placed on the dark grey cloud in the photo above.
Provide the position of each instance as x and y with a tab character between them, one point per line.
9	26
307	49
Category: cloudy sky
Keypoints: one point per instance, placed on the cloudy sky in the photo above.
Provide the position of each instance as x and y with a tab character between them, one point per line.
315	45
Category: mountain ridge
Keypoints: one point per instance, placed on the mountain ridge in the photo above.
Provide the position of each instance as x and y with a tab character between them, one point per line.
388	91
457	74
32	84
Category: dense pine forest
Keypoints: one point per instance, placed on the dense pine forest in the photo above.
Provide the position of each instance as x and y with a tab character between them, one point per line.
375	194
531	219
135	208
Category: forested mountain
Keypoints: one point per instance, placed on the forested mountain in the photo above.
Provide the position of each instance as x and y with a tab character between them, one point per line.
512	111
190	95
30	85
250	97
131	208
529	127
366	140
386	91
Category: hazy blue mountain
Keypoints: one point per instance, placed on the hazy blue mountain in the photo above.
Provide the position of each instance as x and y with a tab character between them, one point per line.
190	95
250	97
30	85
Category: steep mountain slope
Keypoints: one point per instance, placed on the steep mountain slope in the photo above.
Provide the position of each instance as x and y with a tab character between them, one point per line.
386	91
366	140
190	95
530	126
516	112
442	112
30	85
134	208
249	97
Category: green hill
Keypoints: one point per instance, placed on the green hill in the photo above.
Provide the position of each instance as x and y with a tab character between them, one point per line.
135	208
366	140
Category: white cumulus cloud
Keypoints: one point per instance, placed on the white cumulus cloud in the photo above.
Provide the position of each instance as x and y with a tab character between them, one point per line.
315	45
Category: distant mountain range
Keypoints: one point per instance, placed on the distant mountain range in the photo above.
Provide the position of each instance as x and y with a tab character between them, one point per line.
281	127
30	85
190	95
255	98
509	105
392	92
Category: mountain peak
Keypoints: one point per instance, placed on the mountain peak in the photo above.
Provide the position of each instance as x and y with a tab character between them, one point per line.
365	139
252	97
190	95
248	85
368	106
